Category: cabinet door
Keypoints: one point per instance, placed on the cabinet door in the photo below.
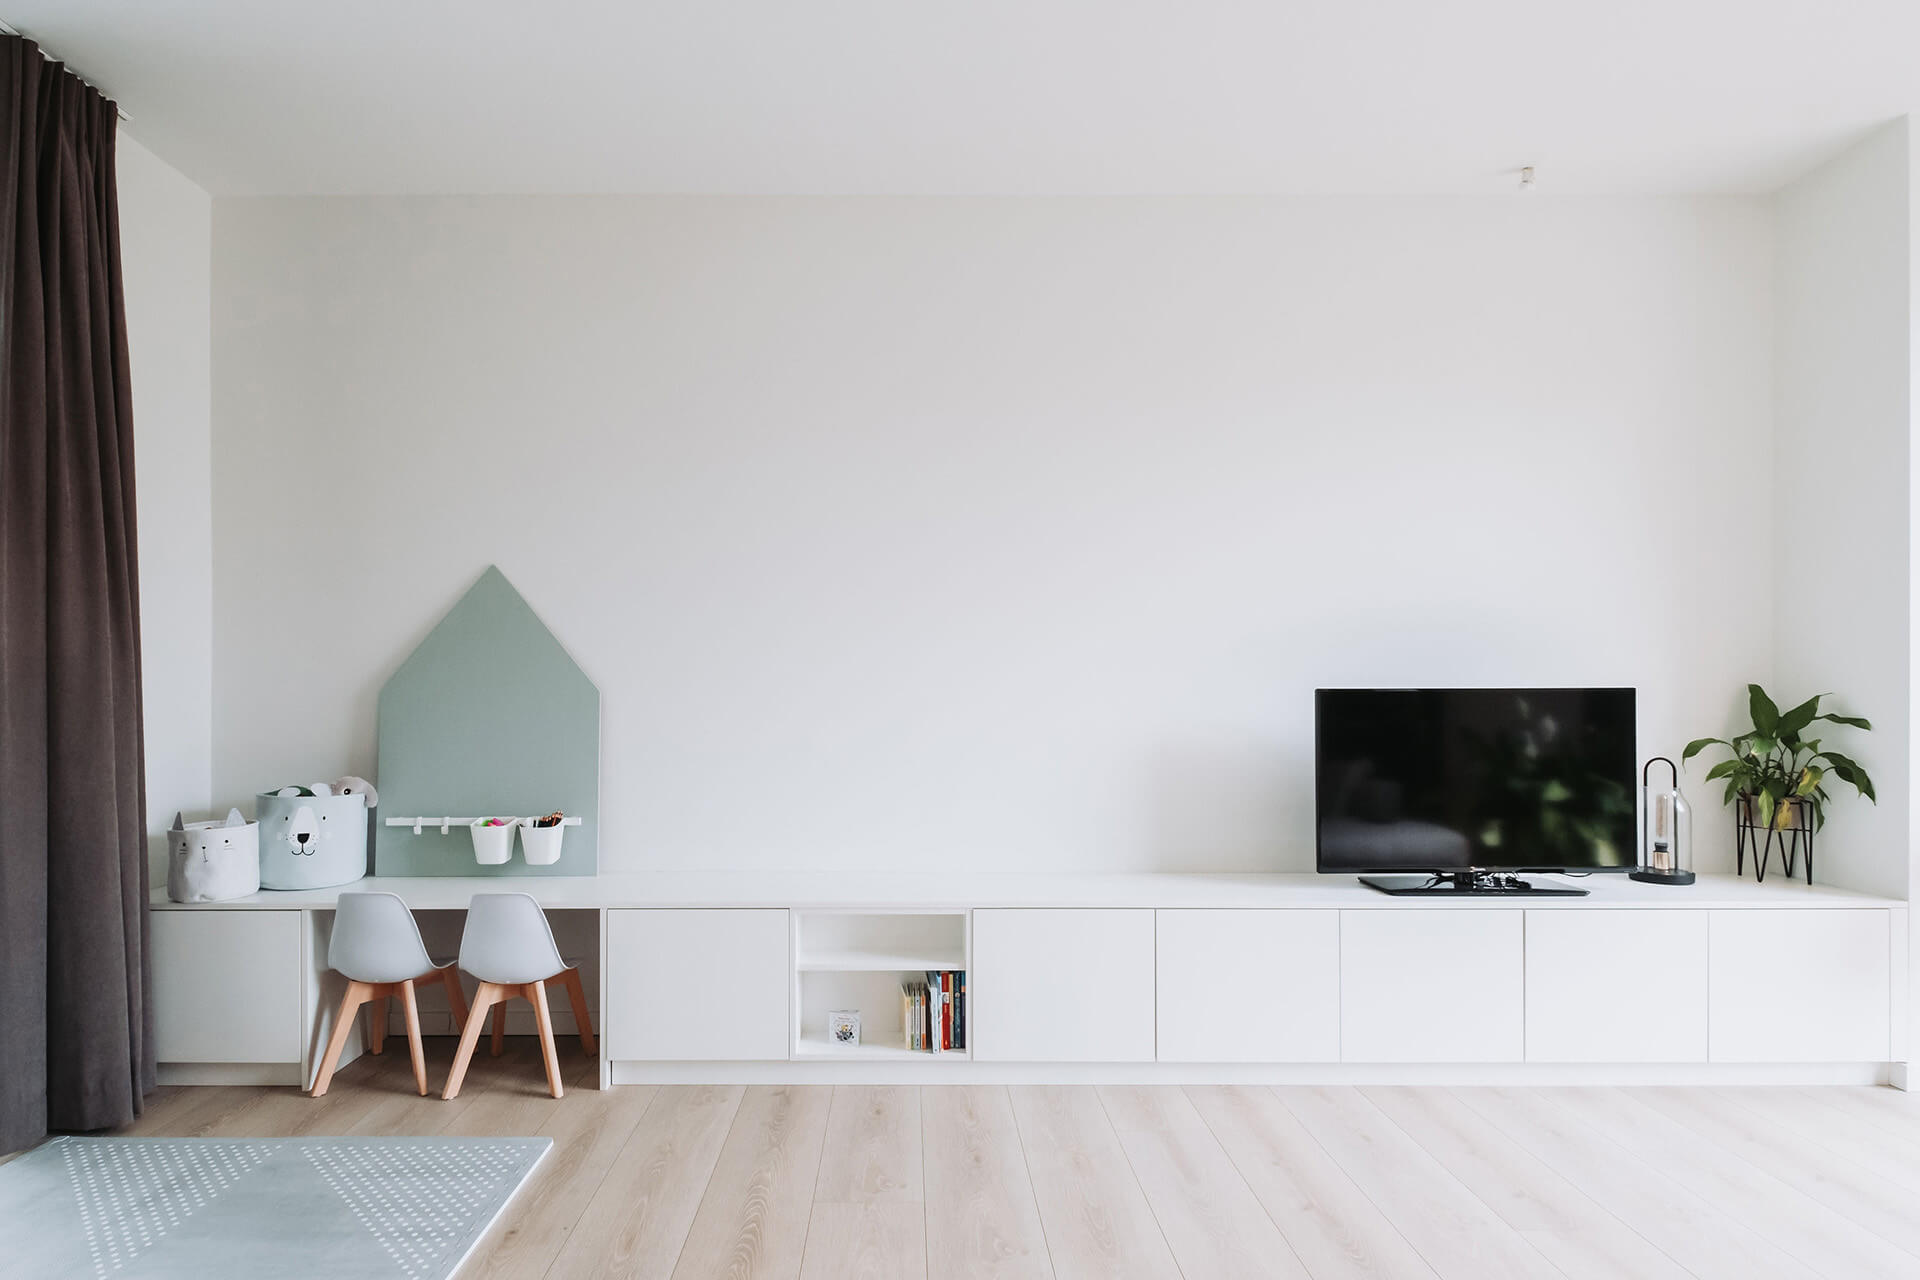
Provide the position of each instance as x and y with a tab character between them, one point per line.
1789	985
1616	986
1431	985
1248	986
227	986
697	985
1072	985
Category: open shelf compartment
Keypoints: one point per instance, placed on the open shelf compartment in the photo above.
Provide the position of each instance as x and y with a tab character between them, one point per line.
858	960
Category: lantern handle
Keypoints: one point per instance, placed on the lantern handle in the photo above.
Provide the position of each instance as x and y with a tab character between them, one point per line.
1671	767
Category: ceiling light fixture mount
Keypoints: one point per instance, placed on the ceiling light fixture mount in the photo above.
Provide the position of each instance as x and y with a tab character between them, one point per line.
1526	178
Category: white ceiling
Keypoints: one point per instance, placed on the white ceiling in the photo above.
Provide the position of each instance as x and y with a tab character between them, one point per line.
991	96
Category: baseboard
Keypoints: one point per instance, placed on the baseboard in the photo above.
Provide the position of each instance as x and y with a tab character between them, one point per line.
269	1073
519	1023
961	1071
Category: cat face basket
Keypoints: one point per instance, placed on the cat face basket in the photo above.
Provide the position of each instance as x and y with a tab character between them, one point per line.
213	861
311	842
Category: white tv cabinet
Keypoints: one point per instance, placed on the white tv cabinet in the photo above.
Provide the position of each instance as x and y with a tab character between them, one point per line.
1175	977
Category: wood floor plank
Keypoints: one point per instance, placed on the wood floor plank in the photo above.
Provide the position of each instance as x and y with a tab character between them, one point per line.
1884	1151
1819	1237
1889	1209
982	1221
1457	1234
210	1105
1663	1209
752	1222
872	1152
1095	1215
885	1240
1584	1240
1211	1219
402	1112
588	1134
1895	1110
639	1216
1337	1232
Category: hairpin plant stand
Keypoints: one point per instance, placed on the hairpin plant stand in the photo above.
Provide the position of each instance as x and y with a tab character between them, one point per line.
1793	842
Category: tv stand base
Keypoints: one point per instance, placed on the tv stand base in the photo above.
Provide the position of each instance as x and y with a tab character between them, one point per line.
1467	884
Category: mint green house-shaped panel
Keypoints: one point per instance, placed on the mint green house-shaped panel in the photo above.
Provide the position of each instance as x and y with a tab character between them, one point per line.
488	718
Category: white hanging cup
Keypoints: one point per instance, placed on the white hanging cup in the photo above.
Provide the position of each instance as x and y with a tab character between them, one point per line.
540	844
492	845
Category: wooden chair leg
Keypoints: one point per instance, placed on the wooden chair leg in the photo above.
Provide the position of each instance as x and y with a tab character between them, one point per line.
414	1047
456	998
499	1045
342	1025
470	1038
377	1025
577	997
536	992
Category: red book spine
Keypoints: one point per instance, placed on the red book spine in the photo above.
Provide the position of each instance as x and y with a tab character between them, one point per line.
946	1011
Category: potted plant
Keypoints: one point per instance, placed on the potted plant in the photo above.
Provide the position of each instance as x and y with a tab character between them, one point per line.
1776	778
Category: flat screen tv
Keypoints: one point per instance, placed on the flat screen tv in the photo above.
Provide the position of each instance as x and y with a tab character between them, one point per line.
1470	786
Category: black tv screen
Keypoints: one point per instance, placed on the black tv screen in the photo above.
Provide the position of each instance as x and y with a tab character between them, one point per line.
1449	779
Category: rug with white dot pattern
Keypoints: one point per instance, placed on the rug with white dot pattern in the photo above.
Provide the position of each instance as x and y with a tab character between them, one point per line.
195	1208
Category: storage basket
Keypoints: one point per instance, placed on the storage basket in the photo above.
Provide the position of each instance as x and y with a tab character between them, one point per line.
311	842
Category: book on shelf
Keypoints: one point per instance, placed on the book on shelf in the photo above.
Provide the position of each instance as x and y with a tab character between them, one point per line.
933	1014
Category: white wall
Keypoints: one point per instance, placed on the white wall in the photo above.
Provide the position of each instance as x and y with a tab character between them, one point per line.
1842	459
166	252
988	533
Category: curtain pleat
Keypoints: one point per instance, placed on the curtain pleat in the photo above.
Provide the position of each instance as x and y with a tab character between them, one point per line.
76	1042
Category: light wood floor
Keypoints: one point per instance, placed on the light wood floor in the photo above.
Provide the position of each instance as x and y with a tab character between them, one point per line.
895	1183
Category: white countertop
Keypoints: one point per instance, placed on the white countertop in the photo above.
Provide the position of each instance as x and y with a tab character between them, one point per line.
909	891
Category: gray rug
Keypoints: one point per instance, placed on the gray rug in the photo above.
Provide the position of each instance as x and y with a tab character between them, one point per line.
202	1208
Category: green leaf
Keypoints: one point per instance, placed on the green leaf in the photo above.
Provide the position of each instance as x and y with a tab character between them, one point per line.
1761	746
1809	779
1733	789
1857	722
1792	722
1698	745
1848	771
1724	768
1763	808
1766	716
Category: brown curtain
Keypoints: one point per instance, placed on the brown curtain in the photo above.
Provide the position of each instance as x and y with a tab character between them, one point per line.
76	1026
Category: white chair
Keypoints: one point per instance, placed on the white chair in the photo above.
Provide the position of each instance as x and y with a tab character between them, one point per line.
376	946
509	947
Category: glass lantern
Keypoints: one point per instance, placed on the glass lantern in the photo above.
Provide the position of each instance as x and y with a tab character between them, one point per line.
1666	843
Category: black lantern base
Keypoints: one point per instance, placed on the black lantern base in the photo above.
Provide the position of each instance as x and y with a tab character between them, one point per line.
1647	875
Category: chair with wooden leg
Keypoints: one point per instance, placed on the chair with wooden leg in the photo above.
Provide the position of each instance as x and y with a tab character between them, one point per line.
376	947
509	947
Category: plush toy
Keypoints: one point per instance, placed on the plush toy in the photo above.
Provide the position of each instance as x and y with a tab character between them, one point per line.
352	786
213	861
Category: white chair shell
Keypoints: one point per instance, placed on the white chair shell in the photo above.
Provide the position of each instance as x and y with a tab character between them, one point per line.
376	939
508	941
